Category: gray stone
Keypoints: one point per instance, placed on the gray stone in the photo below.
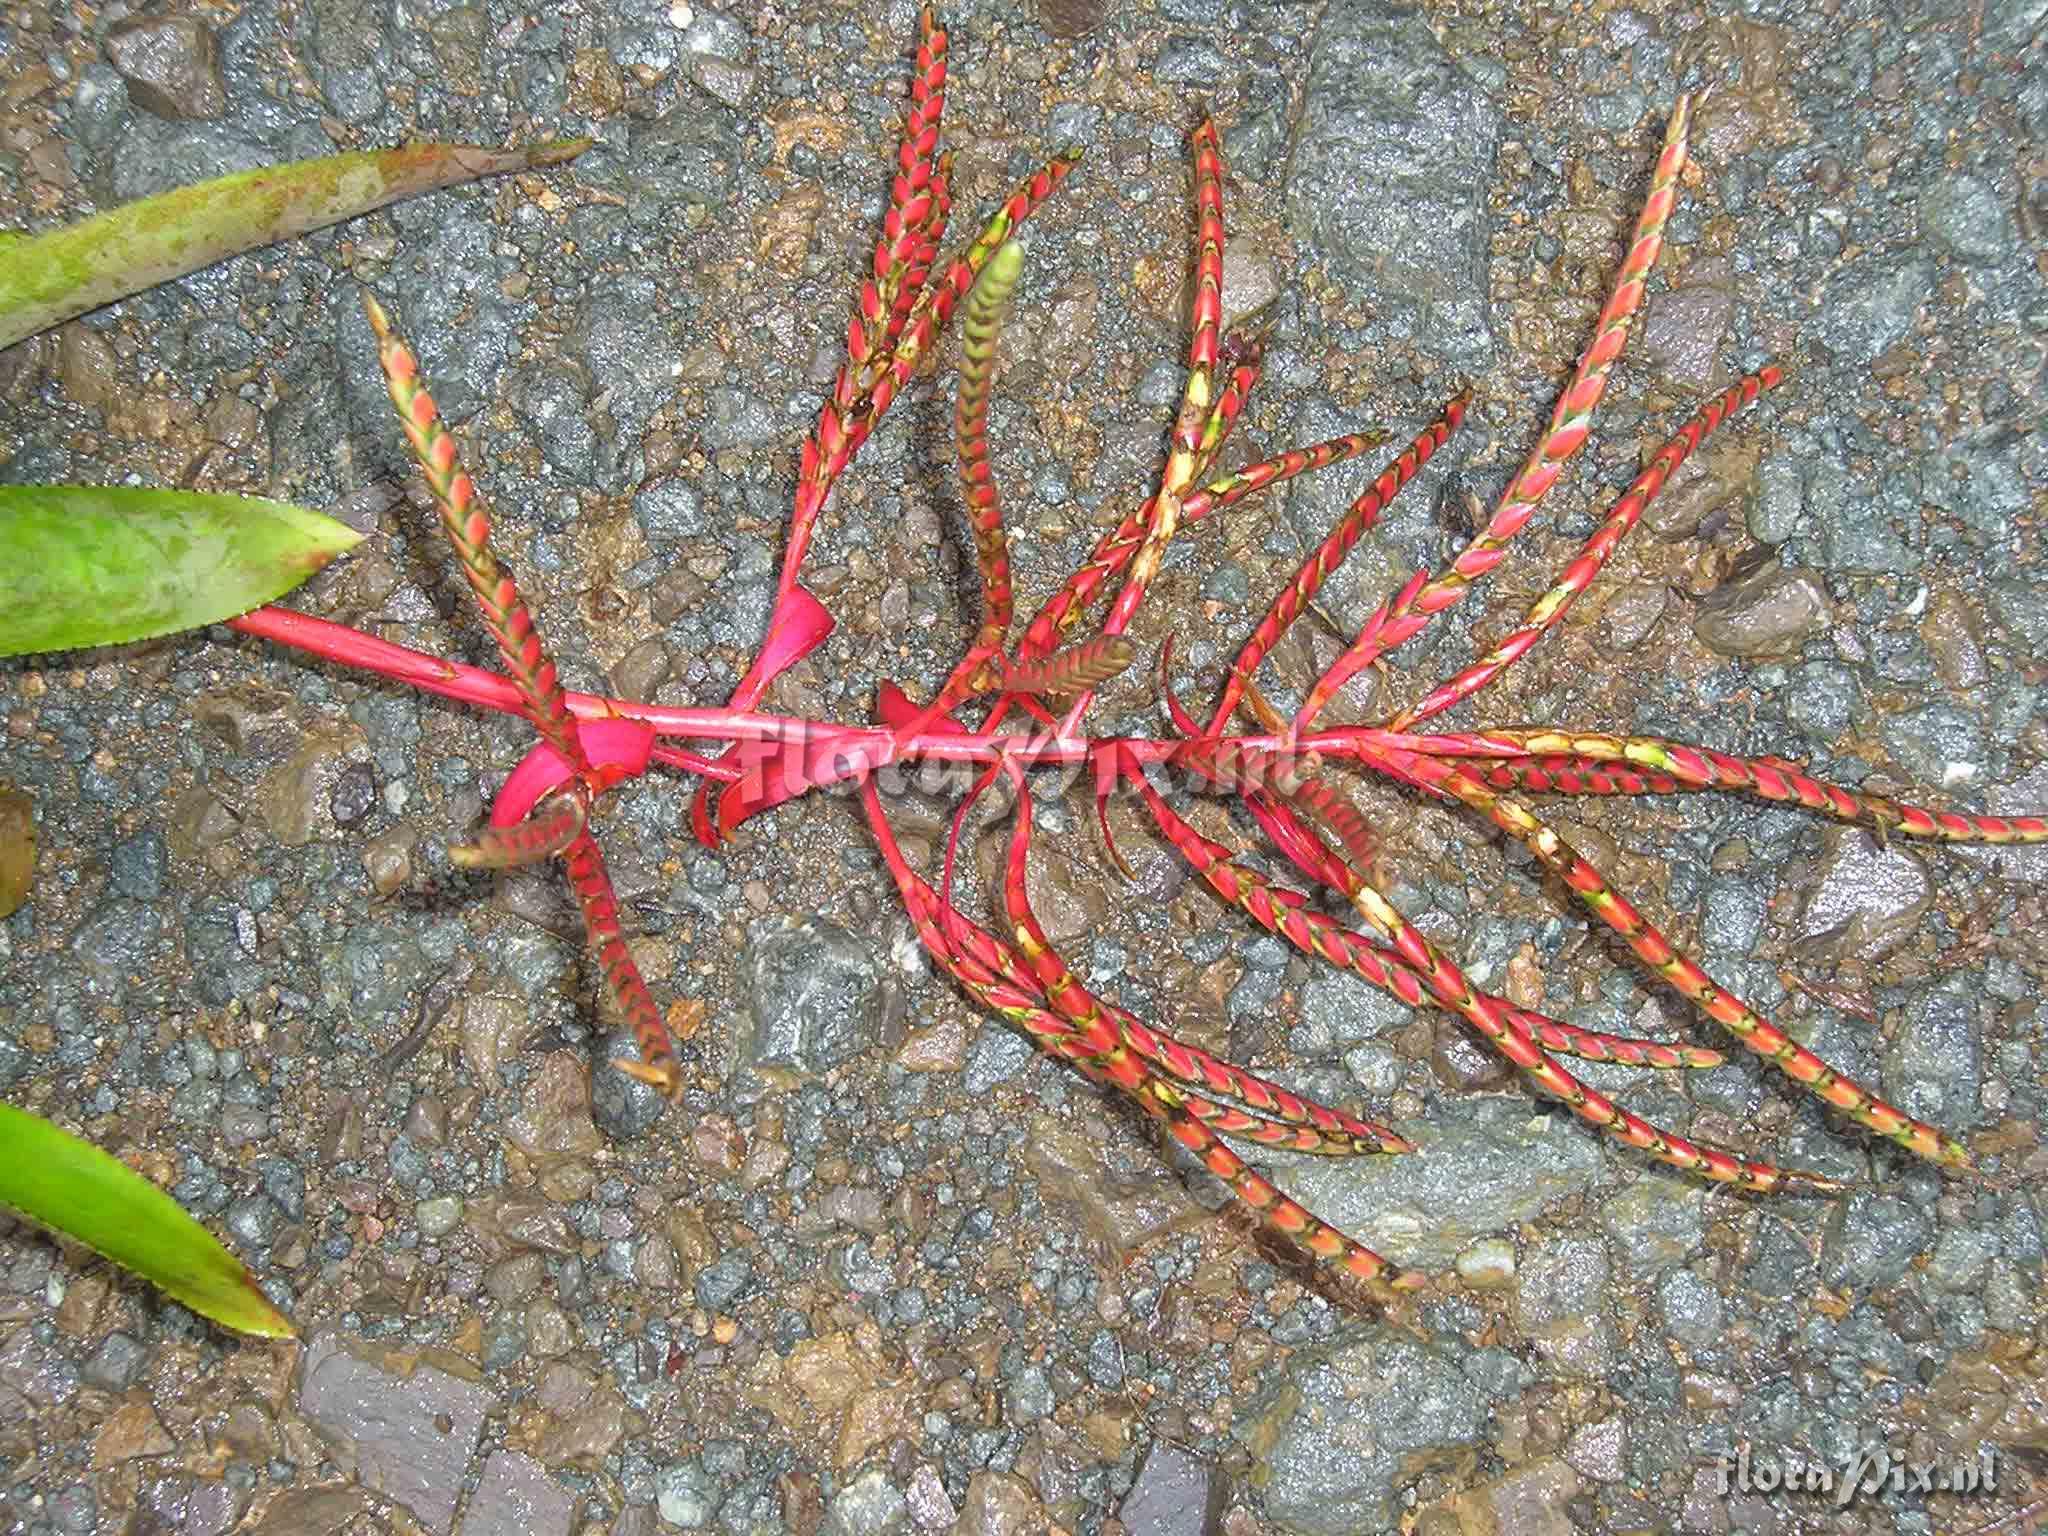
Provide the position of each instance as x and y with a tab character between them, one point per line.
997	1055
1190	61
1960	1259
1392	160
1560	1302
1780	501
870	1505
1340	1010
1933	1067
1028	1397
117	940
549	400
1692	1309
1561	1280
407	1437
1175	1495
1869	898
720	1284
1106	1360
1928	741
711	32
171	64
1869	306
505	1340
348	46
1822	699
253	1221
1980	477
622	1106
688	1494
739	420
1732	915
1486	1164
1228	583
669	510
1871	1240
1657	1221
1964	216
115	1364
1855	534
139	864
1335	1431
99	107
814	995
516	1497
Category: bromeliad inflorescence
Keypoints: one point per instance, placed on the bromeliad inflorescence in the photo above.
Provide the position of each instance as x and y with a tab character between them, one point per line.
1278	769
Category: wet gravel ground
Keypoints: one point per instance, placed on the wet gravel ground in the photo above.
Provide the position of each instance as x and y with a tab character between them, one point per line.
887	1271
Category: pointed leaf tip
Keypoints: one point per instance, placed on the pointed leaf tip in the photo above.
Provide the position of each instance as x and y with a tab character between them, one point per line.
72	1187
84	565
557	152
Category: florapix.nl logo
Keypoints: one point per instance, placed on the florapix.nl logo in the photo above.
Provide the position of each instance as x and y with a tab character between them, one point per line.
1867	1472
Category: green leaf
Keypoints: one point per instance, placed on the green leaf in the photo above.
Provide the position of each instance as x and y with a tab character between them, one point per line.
102	565
71	1186
49	278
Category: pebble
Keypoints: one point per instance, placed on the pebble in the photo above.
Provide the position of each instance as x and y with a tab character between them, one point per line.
1028	1396
1000	1504
1771	613
870	1505
1487	1164
115	1364
814	995
139	864
720	1283
1488	1264
409	1437
171	65
439	1216
1933	1066
515	1278
1692	1309
1393	157
1340	1425
387	859
1870	305
1175	1494
504	1342
353	795
1871	1239
1600	1451
688	1494
1658	1221
1123	1209
516	1497
622	1106
1190	61
1964	215
1560	1303
295	800
1868	898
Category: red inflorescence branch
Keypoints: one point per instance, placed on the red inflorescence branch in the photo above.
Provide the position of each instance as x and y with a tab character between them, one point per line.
903	306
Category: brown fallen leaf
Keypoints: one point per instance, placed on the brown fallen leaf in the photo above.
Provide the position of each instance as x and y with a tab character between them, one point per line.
17	848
